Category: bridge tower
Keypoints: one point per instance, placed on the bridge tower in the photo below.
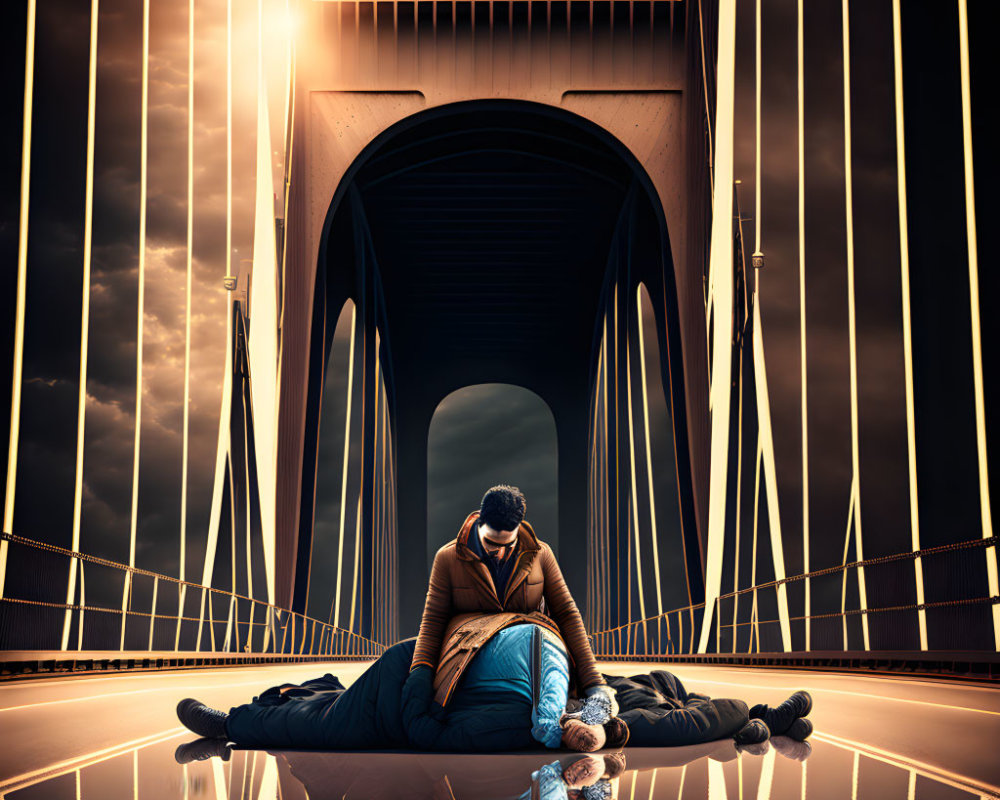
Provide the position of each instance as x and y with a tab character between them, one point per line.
483	179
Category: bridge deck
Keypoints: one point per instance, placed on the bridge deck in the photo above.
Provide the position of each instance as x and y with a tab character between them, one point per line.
115	736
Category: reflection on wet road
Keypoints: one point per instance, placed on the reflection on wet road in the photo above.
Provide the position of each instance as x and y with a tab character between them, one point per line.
875	737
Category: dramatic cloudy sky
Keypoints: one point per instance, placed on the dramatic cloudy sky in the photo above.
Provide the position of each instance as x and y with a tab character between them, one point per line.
457	476
44	503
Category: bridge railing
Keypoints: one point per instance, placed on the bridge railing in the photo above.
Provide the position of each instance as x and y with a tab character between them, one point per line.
132	610
750	620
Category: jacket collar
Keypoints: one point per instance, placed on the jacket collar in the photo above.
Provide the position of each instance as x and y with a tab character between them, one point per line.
526	538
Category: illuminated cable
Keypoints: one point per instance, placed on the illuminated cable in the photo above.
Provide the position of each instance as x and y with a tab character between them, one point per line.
221	451
187	322
755	630
22	263
757	106
83	605
635	499
606	532
343	478
977	348
289	139
649	453
357	559
802	324
618	548
143	174
263	334
765	439
152	612
847	543
232	550
88	228
904	263
852	324
738	512
246	479
722	257
225	415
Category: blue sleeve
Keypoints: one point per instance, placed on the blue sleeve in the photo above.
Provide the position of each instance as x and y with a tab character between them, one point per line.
551	697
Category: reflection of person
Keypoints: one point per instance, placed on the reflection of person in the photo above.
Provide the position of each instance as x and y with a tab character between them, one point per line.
497	564
581	776
512	697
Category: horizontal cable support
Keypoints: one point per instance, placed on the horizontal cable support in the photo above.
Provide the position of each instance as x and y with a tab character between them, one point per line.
868	562
326	630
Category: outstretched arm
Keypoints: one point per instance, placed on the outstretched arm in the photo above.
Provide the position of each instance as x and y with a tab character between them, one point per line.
567	616
437	613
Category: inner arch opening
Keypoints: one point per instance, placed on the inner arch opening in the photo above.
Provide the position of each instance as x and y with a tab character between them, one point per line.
483	435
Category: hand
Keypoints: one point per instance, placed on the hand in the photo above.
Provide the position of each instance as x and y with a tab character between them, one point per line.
607	691
582	737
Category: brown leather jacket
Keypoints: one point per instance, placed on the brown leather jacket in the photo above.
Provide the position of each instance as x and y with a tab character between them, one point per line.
460	583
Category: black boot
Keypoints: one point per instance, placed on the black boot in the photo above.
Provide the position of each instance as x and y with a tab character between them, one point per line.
800	730
202	749
754	732
780	718
201	719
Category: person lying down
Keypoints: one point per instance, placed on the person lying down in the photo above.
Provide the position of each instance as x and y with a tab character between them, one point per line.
513	695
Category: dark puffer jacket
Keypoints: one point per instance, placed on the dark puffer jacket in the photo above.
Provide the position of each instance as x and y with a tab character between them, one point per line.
660	712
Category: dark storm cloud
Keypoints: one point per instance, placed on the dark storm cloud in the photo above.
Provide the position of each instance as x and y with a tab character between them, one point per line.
48	427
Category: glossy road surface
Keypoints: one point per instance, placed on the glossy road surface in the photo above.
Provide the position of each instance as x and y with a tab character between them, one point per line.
115	737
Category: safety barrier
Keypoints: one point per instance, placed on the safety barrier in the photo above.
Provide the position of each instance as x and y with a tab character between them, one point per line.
749	620
158	614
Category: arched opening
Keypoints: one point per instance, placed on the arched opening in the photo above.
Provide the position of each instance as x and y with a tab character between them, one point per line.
482	235
483	435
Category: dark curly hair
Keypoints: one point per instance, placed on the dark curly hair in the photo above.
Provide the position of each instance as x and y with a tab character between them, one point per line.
502	507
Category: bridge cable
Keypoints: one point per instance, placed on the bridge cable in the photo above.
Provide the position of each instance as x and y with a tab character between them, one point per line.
88	211
904	263
722	257
187	318
977	349
802	319
855	500
140	323
22	264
